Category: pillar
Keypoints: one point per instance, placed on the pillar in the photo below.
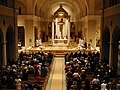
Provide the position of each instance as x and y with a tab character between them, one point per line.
91	23
110	55
4	53
53	31
68	32
92	27
39	31
56	21
29	33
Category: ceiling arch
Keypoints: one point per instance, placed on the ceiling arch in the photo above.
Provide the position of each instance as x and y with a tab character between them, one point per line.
54	8
23	7
46	8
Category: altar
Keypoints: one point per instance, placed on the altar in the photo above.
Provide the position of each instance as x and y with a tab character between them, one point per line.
60	42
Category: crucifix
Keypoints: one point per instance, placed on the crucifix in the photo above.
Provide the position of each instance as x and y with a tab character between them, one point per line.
61	23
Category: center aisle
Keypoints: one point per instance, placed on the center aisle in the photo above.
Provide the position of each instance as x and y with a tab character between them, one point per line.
57	76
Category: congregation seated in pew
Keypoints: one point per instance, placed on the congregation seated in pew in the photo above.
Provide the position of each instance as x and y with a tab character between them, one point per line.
84	69
27	66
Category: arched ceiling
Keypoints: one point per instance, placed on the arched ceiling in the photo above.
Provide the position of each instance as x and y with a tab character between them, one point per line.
74	7
46	8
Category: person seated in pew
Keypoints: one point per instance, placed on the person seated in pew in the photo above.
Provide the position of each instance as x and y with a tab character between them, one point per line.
36	86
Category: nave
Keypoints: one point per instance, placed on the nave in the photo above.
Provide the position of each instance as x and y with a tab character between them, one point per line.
64	72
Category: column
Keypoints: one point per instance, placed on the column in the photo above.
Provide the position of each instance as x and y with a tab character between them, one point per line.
53	31
92	24
39	31
16	30
4	53
56	27
110	55
29	33
68	32
66	28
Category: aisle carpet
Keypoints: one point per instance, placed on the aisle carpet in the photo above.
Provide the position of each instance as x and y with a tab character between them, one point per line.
57	76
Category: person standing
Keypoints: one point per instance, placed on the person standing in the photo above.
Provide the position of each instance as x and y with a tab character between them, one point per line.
18	84
95	83
118	85
104	85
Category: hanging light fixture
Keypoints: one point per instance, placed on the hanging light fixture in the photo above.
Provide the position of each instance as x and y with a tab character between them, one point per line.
61	13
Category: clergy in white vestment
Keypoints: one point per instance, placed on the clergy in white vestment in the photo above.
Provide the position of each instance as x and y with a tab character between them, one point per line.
103	86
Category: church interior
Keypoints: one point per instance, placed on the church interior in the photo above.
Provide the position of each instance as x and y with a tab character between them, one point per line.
59	44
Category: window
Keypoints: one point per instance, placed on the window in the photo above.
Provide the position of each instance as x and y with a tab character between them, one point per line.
19	11
110	3
119	50
8	3
5	2
21	35
2	2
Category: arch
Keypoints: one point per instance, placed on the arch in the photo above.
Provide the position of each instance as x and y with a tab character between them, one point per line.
70	6
115	40
35	7
22	6
1	47
36	12
10	45
105	45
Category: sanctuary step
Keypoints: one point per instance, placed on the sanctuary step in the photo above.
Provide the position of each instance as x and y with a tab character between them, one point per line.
60	54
